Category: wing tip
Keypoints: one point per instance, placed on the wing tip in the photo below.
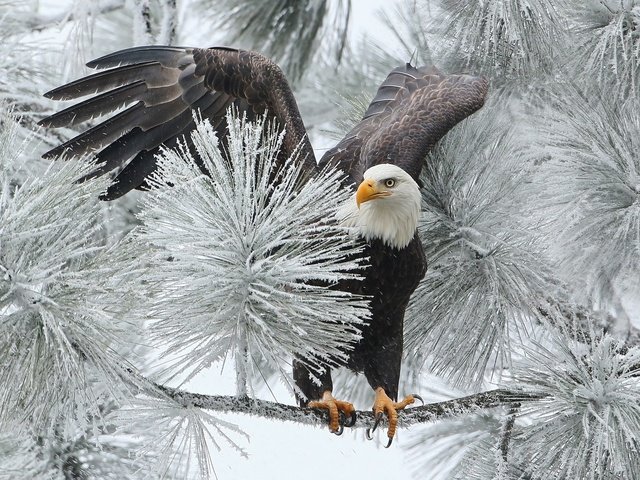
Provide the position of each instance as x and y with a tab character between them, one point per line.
57	93
54	153
113	192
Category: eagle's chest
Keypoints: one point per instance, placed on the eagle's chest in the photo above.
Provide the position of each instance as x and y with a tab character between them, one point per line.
390	279
393	275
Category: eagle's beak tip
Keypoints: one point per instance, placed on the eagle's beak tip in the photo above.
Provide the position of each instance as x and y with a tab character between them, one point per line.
366	191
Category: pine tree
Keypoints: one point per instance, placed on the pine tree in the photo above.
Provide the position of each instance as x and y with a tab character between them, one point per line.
520	337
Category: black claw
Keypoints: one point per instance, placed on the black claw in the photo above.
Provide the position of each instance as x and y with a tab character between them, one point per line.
340	430
378	418
389	444
351	420
375	425
418	397
377	422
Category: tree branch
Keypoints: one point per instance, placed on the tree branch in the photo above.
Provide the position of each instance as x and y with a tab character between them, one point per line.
579	322
279	411
507	430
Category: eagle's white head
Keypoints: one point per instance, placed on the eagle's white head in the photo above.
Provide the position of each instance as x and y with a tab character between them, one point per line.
385	206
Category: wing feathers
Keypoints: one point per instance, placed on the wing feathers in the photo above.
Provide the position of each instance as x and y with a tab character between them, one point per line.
412	110
113	155
100	135
132	176
422	113
168	56
165	85
96	106
152	73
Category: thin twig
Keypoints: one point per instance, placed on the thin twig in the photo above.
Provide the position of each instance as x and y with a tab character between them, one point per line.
507	428
578	322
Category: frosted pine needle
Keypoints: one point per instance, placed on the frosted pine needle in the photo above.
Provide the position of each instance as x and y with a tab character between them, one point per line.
610	43
54	342
593	398
438	447
180	439
486	273
237	265
504	37
593	181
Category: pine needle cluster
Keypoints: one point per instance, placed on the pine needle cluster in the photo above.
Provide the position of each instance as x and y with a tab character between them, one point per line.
591	398
58	348
237	265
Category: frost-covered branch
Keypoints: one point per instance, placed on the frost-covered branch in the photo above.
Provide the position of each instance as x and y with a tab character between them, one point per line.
364	418
168	26
580	323
507	430
593	398
295	33
53	280
143	31
609	44
512	38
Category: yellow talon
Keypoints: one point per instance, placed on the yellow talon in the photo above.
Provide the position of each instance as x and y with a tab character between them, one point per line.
383	404
328	402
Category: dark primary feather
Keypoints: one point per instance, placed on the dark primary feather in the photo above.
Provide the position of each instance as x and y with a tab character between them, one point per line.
157	90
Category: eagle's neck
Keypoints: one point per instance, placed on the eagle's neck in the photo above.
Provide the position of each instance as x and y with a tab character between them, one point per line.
394	223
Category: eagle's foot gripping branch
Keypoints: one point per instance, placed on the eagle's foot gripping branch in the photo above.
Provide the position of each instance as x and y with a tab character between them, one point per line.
341	414
382	404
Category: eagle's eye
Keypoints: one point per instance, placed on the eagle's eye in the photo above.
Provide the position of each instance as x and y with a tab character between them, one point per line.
389	183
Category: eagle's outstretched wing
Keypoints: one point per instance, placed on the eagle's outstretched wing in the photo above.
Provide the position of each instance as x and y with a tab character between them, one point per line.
412	110
154	90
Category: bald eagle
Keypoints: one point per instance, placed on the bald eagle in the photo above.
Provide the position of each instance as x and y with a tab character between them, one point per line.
154	90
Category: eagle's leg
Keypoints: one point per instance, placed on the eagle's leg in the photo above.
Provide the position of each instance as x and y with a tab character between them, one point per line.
335	408
384	404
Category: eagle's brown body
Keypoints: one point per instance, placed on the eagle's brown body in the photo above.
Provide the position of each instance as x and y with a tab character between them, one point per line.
390	278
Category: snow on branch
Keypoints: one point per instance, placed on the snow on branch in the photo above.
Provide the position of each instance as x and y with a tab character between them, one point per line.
583	324
293	33
593	177
608	44
510	38
414	415
51	278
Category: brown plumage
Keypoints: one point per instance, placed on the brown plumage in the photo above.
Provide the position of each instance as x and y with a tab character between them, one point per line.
412	110
159	87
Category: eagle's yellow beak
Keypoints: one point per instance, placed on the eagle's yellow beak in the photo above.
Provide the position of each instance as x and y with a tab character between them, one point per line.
369	190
